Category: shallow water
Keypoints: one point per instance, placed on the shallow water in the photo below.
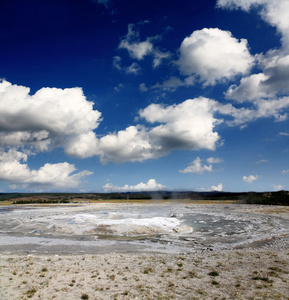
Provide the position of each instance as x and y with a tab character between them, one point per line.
158	227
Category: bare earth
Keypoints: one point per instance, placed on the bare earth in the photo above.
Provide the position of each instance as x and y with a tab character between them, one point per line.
255	271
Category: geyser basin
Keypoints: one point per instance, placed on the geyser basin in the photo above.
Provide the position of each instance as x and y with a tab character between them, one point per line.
96	224
157	227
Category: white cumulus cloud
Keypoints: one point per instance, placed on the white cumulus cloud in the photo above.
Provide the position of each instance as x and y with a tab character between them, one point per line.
263	108
64	118
197	167
151	185
269	84
213	188
50	118
250	88
14	169
275	12
214	55
188	125
217	188
250	178
131	144
272	84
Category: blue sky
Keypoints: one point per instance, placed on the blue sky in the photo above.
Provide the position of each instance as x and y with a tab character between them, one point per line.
123	95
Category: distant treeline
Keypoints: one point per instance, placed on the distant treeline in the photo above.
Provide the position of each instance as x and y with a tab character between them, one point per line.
266	198
38	200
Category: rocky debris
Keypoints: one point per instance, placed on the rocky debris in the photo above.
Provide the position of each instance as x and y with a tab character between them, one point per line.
189	239
176	215
183	229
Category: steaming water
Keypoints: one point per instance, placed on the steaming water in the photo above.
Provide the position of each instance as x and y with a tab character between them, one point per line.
169	228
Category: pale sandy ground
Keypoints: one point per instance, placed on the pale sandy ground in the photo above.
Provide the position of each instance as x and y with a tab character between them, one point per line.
242	274
249	273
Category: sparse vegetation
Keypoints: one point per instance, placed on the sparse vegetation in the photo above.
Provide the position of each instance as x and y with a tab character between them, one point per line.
213	273
148	270
30	293
265	279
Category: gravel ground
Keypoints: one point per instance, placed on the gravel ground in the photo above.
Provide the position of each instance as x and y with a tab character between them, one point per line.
257	270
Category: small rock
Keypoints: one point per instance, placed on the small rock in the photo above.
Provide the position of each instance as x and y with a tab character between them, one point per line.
183	229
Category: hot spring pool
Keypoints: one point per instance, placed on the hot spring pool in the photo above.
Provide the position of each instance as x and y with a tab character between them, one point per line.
155	227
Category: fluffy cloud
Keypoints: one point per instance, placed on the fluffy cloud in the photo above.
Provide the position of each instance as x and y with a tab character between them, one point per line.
13	168
139	49
214	55
151	185
50	118
217	188
188	125
38	139
213	188
278	187
262	108
275	12
250	88
197	167
250	178
82	145
135	48
131	144
271	83
64	118
276	69
214	160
